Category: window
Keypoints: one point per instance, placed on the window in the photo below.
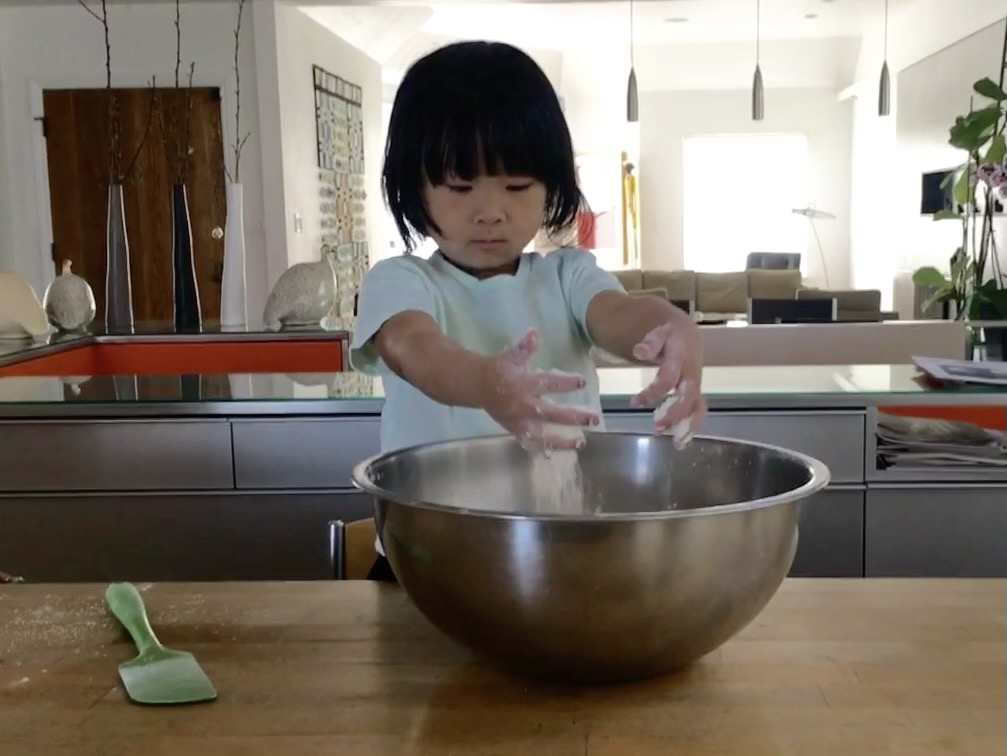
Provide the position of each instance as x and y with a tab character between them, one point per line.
739	196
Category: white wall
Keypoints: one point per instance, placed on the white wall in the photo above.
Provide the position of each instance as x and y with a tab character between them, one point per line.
666	118
873	244
931	94
300	43
60	46
593	81
885	211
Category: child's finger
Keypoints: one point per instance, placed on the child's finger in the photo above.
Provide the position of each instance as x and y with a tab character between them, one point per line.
520	353
564	415
668	375
554	382
651	345
540	436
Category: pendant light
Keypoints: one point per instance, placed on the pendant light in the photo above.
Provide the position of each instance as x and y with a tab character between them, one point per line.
885	86
632	95
758	94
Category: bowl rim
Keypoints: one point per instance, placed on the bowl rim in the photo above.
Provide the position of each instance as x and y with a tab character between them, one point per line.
820	477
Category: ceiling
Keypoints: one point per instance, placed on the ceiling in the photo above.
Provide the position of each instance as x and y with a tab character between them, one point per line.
563	26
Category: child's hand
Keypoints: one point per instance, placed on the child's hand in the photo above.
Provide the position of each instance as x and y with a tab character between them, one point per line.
514	398
676	351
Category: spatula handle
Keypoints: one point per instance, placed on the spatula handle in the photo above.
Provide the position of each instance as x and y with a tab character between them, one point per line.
125	603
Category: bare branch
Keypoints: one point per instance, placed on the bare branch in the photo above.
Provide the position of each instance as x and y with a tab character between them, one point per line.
186	146
239	141
178	40
84	6
146	131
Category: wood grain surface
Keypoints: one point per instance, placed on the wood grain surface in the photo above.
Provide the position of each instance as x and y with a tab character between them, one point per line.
830	667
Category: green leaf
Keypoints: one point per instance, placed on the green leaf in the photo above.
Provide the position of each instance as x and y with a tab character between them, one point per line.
940	296
971	132
930	276
997	150
989	88
952	176
947	215
963	189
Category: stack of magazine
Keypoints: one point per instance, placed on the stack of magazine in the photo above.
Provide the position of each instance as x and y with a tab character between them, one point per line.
932	442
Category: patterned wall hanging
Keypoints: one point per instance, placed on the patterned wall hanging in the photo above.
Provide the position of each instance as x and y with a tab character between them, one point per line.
339	126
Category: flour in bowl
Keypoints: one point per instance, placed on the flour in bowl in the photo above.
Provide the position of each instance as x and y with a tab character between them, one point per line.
557	486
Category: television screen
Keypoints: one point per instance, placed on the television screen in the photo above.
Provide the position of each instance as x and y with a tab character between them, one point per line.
934	197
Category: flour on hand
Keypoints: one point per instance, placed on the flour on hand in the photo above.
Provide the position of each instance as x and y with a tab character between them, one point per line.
681	431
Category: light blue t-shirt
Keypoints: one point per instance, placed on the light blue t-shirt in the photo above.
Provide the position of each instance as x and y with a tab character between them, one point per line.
548	292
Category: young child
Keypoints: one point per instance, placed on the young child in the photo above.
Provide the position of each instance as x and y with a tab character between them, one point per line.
482	338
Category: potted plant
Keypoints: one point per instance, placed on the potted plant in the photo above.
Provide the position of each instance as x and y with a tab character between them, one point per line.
976	285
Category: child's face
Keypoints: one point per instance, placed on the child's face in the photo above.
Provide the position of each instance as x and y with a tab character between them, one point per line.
486	223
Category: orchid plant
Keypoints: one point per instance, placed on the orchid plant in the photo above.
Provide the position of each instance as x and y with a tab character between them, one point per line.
976	285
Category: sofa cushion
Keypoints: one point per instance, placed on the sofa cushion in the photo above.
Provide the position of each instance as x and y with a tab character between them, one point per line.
680	284
773	284
722	292
631	280
662	293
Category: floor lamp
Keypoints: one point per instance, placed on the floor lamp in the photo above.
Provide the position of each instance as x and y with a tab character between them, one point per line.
812	215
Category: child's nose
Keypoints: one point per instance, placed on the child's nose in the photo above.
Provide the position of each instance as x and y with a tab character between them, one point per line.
491	210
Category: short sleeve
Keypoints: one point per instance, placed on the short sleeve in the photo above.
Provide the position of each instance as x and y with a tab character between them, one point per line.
392	286
582	280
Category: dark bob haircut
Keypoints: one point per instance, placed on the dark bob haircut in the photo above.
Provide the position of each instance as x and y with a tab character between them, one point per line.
470	109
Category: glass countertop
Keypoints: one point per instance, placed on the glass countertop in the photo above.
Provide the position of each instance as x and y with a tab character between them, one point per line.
768	385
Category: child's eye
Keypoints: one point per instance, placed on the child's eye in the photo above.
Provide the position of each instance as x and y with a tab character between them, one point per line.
459	188
519	187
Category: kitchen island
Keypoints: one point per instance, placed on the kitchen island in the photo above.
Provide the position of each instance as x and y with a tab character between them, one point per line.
223	456
829	667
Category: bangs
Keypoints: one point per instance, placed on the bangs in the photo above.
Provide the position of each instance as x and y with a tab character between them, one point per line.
473	139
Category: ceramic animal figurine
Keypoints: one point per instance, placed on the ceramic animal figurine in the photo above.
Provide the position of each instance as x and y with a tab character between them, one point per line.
303	296
69	301
21	314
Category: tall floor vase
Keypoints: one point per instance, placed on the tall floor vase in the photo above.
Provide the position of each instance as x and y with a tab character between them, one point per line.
188	315
233	307
118	283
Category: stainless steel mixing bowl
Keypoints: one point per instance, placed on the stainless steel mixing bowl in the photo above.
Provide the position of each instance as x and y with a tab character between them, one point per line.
669	555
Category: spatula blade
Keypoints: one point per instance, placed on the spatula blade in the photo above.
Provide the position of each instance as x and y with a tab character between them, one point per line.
166	677
158	675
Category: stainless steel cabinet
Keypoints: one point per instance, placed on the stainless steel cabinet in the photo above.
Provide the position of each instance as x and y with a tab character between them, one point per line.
835	438
831	535
936	531
147	537
115	455
301	453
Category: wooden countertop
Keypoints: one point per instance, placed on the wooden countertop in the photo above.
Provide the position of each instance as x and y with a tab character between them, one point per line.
830	667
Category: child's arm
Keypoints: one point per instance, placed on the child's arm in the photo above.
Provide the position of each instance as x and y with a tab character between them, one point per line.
413	346
653	331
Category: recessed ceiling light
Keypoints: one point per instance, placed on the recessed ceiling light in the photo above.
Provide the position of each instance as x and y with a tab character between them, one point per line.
676	20
811	15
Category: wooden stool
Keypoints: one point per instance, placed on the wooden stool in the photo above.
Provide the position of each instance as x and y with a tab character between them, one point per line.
351	548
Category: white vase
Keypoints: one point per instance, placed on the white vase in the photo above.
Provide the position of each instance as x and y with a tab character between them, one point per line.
233	309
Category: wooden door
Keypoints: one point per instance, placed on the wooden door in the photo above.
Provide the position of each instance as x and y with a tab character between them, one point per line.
77	140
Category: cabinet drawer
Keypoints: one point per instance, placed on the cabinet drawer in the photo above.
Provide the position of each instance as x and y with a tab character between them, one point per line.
831	535
936	531
96	538
119	455
835	438
302	453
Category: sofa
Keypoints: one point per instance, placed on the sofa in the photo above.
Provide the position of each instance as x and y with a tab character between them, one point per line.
725	296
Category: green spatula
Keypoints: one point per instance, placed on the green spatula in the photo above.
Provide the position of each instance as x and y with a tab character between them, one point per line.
158	675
